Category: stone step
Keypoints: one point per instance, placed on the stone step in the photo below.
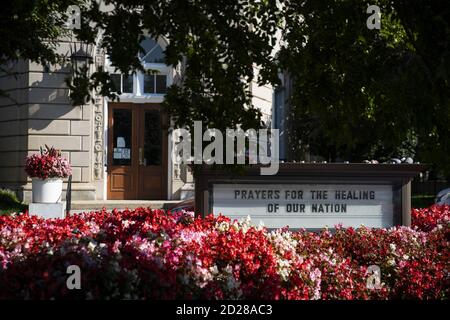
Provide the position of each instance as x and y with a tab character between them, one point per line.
94	205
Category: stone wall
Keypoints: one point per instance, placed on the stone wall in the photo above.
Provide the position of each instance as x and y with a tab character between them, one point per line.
44	116
14	125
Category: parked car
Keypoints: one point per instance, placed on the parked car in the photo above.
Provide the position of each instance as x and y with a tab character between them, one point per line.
443	197
186	205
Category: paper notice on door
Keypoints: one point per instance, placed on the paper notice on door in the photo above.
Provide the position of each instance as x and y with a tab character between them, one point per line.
122	153
117	153
120	142
126	154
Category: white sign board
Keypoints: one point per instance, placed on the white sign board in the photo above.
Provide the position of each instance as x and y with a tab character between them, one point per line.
306	205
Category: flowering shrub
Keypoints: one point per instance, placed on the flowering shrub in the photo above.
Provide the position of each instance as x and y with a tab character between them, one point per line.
427	219
48	164
152	254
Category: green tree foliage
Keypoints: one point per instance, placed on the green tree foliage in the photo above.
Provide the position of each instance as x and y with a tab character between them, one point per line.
31	30
358	93
217	42
361	93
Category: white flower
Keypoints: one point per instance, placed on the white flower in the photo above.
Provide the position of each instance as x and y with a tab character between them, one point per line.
91	246
127	223
284	273
316	274
214	270
223	226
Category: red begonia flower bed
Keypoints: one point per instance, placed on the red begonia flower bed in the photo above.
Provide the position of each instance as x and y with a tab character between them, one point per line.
151	254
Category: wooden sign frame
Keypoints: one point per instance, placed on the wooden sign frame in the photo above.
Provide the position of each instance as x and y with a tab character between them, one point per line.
397	175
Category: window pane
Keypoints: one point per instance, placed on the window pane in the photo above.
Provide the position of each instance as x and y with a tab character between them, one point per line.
155	56
149	83
153	138
127	83
161	84
147	44
153	51
116	79
122	120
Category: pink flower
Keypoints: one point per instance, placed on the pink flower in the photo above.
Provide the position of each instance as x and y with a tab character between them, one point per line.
149	254
48	164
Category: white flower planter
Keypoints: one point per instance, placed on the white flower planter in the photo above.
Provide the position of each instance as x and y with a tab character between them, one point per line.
47	191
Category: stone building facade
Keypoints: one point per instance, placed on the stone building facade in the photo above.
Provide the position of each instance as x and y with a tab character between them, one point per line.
111	158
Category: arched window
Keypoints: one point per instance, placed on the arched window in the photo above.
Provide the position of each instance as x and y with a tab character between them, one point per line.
153	52
141	84
153	59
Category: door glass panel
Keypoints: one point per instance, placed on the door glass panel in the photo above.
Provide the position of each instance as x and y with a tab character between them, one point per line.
152	138
122	120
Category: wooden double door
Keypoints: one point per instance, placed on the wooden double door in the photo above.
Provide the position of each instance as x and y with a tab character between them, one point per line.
137	152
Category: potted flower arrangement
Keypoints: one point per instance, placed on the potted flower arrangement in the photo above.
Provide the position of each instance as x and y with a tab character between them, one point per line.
47	171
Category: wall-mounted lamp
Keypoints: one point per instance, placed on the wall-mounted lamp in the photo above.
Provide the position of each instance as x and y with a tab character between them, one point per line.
81	58
79	85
